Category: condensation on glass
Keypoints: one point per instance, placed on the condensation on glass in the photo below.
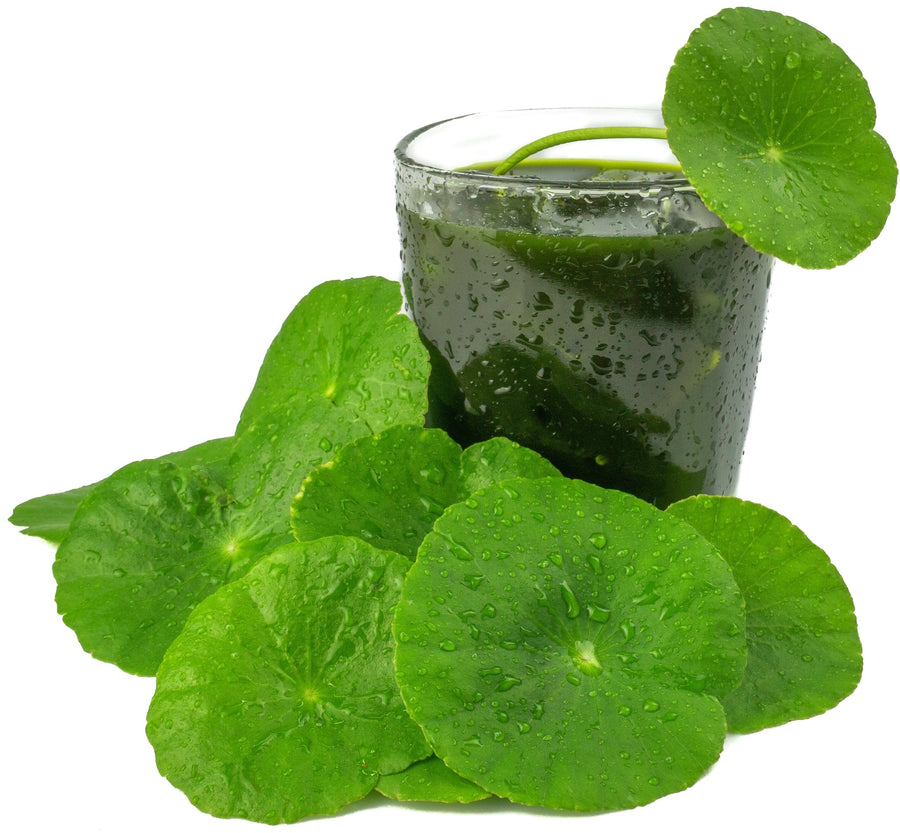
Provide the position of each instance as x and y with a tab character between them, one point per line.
606	319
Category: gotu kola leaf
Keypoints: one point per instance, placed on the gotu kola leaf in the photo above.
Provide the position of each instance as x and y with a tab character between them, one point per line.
389	488
145	546
430	780
49	516
149	543
278	700
804	652
349	343
773	125
563	645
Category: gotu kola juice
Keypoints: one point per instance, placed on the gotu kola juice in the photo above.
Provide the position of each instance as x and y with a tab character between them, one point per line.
605	319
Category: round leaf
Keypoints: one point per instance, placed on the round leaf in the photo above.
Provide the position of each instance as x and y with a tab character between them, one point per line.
497	459
562	645
348	342
773	125
154	539
278	700
804	653
389	489
144	546
430	780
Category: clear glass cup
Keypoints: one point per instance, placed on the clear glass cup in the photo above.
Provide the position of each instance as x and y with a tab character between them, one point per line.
603	317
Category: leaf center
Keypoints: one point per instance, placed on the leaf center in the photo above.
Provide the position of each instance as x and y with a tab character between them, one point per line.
584	656
774	153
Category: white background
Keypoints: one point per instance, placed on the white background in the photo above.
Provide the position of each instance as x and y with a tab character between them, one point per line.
174	176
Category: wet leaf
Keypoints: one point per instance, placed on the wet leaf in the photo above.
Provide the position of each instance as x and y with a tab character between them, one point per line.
49	516
389	488
430	780
563	645
773	125
804	653
149	543
349	343
278	701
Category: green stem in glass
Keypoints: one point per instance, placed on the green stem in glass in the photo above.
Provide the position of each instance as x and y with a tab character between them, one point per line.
599	164
580	135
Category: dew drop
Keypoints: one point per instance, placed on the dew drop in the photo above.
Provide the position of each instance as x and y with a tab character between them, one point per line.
598	614
573	608
508	682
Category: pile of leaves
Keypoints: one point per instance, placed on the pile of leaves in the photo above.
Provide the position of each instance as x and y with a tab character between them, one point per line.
338	599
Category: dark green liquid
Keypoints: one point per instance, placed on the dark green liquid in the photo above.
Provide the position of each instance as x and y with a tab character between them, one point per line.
627	361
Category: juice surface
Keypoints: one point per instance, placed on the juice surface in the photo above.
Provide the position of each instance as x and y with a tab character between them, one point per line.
626	356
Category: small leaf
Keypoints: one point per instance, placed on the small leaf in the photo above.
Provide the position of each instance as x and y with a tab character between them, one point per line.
430	780
773	125
49	516
349	343
804	653
389	488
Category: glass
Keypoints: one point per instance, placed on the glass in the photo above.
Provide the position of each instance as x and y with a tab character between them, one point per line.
605	318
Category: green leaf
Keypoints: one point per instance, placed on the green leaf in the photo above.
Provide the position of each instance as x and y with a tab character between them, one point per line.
563	645
804	653
152	541
274	455
497	459
278	701
430	780
389	488
49	516
144	547
347	342
773	125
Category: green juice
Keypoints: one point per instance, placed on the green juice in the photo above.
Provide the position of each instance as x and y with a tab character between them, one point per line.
618	333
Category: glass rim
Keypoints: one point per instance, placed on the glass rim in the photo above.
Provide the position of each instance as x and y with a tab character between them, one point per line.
656	179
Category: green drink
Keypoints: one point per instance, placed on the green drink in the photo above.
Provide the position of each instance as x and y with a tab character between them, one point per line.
610	322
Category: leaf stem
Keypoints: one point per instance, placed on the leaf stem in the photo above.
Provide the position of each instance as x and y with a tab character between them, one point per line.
600	164
579	135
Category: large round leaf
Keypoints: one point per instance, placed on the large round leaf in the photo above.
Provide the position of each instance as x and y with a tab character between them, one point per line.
278	700
562	645
772	123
